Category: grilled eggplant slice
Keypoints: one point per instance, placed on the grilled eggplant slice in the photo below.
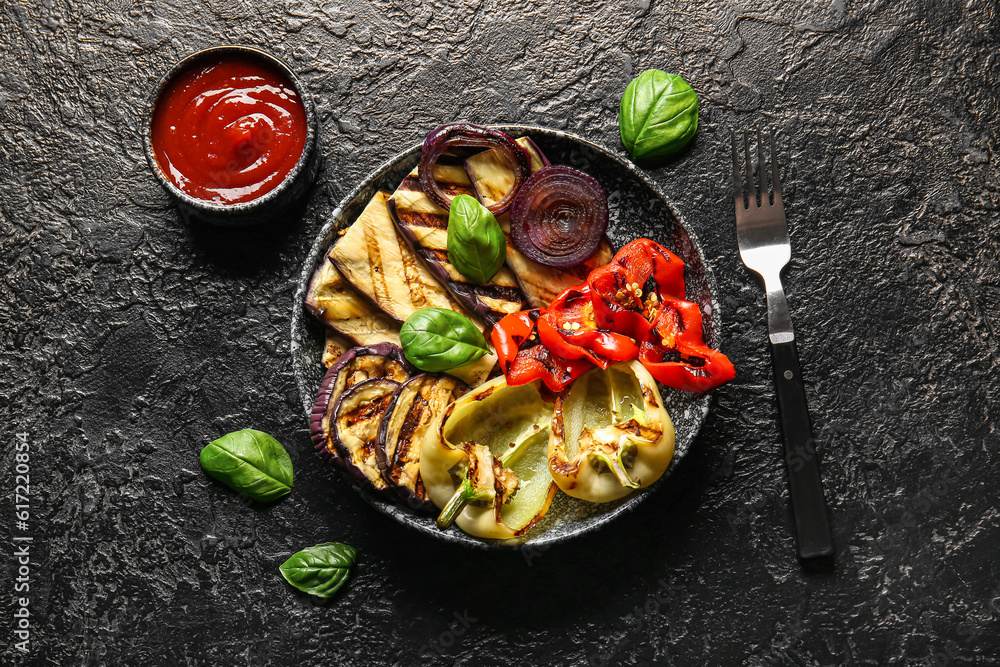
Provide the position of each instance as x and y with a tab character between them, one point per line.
334	346
354	428
424	225
333	301
491	177
542	284
417	403
383	267
353	367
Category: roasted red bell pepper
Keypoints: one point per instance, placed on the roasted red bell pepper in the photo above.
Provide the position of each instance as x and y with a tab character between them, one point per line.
675	353
567	328
524	359
632	308
628	291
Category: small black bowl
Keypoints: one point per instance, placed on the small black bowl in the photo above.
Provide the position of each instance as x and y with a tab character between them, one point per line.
269	206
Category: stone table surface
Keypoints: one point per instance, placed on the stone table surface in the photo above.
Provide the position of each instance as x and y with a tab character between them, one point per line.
130	339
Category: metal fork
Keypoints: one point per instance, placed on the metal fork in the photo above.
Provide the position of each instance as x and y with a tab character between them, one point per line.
765	249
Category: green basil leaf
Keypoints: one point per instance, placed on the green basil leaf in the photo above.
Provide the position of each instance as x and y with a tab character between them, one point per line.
250	462
477	246
436	339
320	570
658	115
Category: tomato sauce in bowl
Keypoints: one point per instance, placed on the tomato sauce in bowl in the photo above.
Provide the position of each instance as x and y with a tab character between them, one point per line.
232	135
229	129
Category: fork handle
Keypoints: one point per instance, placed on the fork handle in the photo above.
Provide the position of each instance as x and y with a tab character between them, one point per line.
812	526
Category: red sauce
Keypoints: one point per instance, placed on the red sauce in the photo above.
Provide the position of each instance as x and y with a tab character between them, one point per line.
229	130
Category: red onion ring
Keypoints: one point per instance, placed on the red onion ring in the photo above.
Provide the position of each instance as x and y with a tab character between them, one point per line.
559	216
473	136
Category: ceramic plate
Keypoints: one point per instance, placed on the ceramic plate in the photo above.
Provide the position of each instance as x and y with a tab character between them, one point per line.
638	209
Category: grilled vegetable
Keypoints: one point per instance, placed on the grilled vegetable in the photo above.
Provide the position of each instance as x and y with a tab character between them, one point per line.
567	328
354	427
465	135
676	354
490	175
382	266
334	346
424	225
559	216
627	292
488	480
333	301
413	408
435	339
524	359
641	294
610	434
464	455
355	366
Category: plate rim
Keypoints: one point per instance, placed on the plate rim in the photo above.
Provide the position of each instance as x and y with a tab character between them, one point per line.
321	242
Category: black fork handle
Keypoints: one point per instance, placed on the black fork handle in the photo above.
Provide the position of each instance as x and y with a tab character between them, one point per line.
812	525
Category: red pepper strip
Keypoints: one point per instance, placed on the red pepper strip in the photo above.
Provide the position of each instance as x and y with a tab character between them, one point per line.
676	354
568	328
524	359
628	291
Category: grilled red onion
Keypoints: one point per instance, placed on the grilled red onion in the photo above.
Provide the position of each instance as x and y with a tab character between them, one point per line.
466	135
559	216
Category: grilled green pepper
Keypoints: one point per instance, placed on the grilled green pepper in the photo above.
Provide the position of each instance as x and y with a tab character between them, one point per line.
484	461
610	434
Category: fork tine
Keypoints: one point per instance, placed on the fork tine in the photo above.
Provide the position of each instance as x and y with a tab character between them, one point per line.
751	192
775	182
761	169
737	184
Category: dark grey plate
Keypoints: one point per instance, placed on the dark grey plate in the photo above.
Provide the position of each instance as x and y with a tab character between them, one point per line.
638	209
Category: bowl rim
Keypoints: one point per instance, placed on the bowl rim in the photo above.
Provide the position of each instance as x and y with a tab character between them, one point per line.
323	239
265	199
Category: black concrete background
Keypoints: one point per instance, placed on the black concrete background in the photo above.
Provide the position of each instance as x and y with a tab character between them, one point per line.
129	340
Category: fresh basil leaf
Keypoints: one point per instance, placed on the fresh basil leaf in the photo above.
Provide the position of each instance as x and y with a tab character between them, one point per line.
437	339
477	246
320	570
250	462
658	115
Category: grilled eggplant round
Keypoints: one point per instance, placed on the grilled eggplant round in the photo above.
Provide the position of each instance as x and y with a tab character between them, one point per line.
353	367
354	428
413	408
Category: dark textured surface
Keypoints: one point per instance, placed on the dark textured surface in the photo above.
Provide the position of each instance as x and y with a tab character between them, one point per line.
130	340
